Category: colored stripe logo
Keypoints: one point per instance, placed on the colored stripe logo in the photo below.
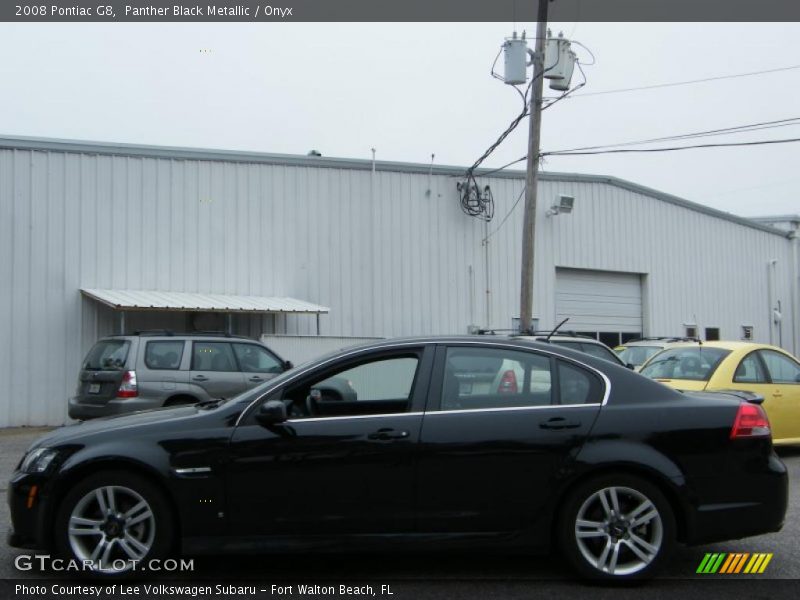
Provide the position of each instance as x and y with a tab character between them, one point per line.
734	563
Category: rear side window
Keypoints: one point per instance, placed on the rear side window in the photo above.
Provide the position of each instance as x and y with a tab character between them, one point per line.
107	354
478	378
577	386
213	356
750	370
163	355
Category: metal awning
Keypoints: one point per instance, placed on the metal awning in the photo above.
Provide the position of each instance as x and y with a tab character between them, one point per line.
190	302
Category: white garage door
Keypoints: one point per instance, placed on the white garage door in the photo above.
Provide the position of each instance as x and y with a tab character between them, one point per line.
599	300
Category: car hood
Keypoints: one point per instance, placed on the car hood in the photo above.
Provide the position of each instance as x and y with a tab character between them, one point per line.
75	432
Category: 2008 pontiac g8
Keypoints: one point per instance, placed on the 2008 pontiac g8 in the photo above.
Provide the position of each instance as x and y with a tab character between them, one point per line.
446	442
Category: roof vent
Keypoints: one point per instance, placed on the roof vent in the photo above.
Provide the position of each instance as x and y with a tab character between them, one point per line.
314	153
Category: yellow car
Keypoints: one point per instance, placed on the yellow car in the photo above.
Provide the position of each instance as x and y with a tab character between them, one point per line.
760	368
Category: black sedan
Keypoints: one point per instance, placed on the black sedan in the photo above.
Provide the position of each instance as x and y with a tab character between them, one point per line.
434	442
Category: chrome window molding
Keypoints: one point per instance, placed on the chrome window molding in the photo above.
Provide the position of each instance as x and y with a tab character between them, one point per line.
423	343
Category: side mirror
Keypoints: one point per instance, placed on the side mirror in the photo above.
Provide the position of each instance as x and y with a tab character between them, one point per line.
271	412
631	366
287	364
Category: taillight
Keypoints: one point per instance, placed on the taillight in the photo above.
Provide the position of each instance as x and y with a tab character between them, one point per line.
128	389
508	383
751	421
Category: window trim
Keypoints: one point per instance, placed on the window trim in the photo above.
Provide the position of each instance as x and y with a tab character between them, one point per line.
431	351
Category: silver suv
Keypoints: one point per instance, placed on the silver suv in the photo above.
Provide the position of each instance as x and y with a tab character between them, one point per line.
125	373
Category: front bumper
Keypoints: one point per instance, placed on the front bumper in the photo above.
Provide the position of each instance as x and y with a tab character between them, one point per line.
28	517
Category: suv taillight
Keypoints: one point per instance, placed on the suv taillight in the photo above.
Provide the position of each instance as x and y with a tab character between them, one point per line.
128	389
751	421
508	384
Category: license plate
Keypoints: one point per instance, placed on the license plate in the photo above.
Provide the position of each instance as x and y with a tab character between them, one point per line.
94	388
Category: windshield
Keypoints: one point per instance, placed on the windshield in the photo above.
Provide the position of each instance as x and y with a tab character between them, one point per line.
696	363
636	355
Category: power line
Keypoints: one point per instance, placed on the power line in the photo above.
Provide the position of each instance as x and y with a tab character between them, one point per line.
670	149
689	82
508	214
697	134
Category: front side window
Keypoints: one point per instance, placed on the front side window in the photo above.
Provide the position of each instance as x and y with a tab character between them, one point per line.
781	368
381	386
255	359
478	378
213	356
163	355
694	363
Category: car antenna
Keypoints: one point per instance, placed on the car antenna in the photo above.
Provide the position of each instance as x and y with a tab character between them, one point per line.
556	328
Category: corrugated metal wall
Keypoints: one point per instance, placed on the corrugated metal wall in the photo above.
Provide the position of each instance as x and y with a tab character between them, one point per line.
390	253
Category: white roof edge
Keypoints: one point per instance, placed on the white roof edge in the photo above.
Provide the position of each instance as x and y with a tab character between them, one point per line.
197	302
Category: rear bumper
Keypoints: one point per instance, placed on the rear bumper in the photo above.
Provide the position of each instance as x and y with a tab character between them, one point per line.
762	510
82	410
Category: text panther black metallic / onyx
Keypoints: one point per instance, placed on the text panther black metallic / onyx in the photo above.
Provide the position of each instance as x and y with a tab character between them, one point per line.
446	442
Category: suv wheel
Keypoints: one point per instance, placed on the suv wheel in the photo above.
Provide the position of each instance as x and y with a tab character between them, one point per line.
113	520
617	527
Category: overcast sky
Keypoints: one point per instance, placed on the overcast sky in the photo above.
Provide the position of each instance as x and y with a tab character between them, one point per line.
411	90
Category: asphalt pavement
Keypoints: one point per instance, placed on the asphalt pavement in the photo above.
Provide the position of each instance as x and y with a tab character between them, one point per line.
472	575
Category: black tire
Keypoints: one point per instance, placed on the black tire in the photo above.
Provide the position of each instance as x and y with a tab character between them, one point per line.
641	539
138	529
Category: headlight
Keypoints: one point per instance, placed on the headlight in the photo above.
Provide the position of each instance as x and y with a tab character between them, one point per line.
38	460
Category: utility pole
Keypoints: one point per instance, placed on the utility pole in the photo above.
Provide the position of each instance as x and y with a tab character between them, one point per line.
532	176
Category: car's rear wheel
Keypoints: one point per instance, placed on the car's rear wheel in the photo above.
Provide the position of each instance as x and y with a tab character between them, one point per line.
617	527
113	522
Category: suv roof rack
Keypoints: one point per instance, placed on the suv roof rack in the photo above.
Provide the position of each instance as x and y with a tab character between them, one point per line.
170	333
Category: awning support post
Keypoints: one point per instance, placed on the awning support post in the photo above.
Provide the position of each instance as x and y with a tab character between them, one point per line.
229	323
122	322
317	323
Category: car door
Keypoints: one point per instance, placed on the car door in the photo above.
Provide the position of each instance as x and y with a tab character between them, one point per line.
489	461
783	401
344	460
215	370
257	363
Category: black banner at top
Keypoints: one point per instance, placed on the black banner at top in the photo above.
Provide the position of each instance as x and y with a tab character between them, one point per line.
520	11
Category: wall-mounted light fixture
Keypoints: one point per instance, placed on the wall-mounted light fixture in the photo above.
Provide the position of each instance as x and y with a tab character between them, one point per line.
565	204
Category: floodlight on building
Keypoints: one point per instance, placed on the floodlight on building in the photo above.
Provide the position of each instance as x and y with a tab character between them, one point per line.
565	205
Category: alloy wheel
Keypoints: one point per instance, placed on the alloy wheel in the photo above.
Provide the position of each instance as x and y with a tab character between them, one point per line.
111	527
619	531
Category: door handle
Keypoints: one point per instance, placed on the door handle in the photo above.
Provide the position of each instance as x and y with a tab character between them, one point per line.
200	378
256	378
386	434
559	423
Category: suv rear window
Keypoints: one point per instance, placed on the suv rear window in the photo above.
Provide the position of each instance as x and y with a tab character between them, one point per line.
107	355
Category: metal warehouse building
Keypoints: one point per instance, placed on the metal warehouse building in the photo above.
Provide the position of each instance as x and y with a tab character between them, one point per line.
97	238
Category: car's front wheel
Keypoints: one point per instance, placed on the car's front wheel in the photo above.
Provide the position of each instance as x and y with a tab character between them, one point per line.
617	527
113	522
